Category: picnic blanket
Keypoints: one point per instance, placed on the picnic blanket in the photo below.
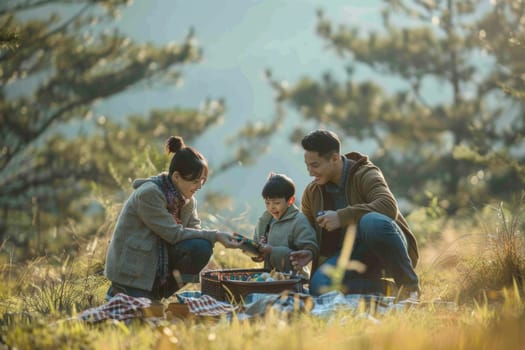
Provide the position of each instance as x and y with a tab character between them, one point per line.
120	307
206	305
123	307
324	305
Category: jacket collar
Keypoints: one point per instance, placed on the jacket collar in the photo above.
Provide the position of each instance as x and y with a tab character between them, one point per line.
290	213
356	160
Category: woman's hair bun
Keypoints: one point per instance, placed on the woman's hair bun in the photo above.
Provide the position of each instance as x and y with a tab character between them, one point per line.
174	144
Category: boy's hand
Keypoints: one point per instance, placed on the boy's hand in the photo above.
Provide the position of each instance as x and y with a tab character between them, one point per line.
300	258
265	249
259	258
248	246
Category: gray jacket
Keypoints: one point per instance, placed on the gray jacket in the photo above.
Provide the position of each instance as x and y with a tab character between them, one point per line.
289	233
133	252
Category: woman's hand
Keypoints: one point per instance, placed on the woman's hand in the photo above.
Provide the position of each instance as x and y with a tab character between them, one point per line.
300	258
228	240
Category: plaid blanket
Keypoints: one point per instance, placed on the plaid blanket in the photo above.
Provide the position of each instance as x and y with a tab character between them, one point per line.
206	305
119	307
123	307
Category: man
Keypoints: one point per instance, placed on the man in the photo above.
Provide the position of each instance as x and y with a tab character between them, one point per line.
350	191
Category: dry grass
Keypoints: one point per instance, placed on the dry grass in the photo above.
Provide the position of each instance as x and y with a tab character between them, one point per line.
483	325
471	300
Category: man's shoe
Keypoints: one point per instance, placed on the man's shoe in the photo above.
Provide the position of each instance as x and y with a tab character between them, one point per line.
408	294
413	296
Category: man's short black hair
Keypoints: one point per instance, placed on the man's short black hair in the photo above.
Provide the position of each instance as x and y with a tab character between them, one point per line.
278	186
324	142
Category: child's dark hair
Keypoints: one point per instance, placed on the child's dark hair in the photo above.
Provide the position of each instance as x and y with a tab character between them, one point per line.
278	186
187	161
323	142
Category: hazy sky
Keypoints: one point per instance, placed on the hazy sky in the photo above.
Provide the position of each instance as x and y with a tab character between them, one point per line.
240	39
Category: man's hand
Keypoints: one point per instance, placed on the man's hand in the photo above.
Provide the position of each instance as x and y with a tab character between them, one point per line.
228	240
329	220
300	258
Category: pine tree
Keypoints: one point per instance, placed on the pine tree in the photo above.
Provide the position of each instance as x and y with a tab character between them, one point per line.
451	130
52	70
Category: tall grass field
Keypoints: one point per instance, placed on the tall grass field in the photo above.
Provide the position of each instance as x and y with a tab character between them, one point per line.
472	272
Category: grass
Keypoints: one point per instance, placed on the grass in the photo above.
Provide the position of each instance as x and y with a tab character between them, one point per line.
417	328
472	284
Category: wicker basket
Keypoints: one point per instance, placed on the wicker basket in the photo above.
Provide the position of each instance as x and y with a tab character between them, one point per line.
217	284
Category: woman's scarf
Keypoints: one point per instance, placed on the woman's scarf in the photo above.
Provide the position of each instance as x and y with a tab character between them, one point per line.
175	201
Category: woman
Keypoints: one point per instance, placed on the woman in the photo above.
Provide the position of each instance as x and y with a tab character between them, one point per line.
158	243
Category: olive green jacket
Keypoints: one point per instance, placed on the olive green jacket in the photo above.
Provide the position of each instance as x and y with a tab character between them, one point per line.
291	232
133	253
366	191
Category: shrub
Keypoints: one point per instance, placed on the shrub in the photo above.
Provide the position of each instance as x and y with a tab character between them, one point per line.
500	262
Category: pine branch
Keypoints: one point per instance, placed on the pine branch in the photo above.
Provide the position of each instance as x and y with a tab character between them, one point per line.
30	5
43	38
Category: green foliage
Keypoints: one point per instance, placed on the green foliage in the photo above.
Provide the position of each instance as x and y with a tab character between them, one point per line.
8	39
78	71
447	126
61	292
427	222
59	68
56	285
40	334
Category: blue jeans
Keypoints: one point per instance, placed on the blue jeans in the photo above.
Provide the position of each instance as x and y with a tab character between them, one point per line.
186	259
379	244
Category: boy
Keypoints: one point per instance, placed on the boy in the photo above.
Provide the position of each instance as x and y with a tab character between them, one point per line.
282	228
